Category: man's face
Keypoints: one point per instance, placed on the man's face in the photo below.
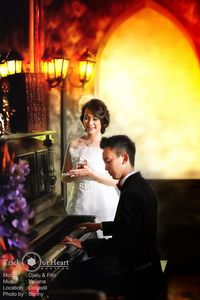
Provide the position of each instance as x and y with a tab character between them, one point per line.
113	163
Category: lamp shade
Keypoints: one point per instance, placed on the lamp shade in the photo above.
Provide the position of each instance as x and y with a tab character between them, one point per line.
3	64
86	66
55	69
85	70
14	62
3	69
10	63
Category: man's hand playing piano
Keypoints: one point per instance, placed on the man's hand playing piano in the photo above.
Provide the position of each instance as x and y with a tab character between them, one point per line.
89	226
67	240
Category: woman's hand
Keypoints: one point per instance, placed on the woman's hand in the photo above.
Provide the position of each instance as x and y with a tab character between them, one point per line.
65	176
83	172
67	240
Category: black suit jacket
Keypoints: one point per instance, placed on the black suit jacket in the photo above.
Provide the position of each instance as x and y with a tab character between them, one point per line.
134	229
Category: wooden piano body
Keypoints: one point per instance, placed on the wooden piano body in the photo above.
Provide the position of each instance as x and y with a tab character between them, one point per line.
51	223
47	235
55	258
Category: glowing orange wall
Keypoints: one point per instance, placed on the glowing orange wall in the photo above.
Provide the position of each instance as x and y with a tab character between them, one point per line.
148	74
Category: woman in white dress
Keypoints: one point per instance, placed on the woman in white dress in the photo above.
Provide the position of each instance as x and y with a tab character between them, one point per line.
94	191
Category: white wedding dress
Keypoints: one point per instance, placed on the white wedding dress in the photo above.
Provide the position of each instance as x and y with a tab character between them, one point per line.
87	196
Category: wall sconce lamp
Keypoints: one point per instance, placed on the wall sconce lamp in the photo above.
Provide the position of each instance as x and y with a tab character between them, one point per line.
55	70
10	63
86	66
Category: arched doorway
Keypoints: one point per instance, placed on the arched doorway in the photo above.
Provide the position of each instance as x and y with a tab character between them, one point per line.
148	74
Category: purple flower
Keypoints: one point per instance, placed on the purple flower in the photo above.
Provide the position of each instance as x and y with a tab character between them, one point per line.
19	242
5	230
17	206
21	225
2	207
14	211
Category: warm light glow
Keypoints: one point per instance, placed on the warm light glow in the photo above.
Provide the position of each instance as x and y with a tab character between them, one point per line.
7	159
61	67
11	63
55	68
47	68
85	70
3	70
149	77
14	66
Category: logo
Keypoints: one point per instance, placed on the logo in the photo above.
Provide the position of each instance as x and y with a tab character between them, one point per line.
31	261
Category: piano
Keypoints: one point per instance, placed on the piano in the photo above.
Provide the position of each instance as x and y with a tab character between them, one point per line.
45	243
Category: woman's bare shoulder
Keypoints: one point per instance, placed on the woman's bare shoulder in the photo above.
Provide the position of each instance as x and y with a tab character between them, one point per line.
77	142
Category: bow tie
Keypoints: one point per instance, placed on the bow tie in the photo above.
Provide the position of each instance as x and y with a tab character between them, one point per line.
119	185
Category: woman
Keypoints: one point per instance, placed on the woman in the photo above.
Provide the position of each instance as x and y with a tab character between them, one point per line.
94	191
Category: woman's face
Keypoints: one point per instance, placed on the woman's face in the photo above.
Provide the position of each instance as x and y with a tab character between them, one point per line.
91	123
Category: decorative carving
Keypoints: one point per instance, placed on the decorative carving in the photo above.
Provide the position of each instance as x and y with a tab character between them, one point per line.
40	186
51	170
7	112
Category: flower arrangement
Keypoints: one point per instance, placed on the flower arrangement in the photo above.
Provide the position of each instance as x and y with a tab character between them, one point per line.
14	211
14	218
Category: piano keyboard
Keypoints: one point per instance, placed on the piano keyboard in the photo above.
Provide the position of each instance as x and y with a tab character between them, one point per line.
59	249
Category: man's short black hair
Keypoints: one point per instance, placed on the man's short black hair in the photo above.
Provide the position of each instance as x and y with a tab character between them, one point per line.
121	143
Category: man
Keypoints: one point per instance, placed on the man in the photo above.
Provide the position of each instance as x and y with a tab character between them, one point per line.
131	253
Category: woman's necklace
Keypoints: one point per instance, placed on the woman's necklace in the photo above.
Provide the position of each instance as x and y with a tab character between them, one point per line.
90	143
93	143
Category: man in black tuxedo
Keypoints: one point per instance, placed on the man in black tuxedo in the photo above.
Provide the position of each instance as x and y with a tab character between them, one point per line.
131	253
